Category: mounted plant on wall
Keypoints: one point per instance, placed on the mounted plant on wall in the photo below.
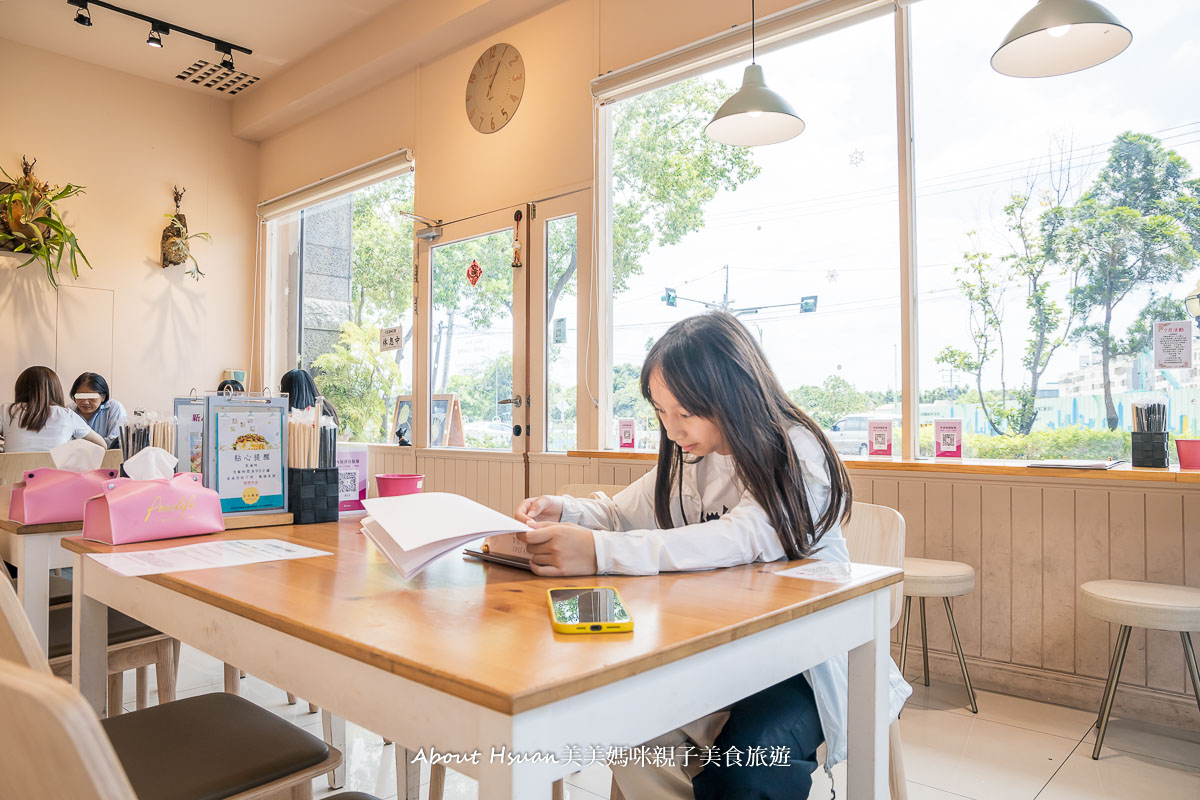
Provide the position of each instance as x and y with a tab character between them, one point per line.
177	242
31	223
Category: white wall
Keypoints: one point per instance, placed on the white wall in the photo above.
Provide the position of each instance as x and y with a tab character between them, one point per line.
128	140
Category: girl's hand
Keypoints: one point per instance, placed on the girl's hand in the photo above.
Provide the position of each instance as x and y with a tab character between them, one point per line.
547	508
558	549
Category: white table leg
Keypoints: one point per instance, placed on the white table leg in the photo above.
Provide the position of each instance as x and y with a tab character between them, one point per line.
504	782
867	718
408	775
89	631
334	730
33	582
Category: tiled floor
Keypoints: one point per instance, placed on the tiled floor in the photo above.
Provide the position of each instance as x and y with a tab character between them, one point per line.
1013	749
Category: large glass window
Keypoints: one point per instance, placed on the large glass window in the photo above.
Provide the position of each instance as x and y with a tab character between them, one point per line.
471	364
349	277
798	240
1054	223
562	332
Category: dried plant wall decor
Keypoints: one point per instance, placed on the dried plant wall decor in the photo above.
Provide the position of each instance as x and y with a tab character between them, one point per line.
31	222
177	242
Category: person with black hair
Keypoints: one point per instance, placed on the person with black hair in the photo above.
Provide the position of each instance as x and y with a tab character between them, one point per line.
743	475
302	392
94	403
39	420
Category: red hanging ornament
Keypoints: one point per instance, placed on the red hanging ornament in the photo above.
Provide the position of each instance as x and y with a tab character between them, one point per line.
474	272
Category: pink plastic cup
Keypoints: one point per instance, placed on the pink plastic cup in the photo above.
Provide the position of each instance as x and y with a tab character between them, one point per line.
1189	453
395	485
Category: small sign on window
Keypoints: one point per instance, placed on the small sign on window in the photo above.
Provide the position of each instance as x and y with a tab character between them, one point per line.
391	338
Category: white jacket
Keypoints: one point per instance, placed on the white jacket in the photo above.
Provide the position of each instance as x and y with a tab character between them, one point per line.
735	530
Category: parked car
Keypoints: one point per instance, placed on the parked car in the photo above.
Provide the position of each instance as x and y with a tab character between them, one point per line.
849	434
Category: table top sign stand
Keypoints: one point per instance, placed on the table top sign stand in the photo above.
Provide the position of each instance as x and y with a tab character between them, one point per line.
189	413
245	451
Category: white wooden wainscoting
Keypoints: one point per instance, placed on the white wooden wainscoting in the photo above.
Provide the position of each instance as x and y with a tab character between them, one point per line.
496	479
1031	540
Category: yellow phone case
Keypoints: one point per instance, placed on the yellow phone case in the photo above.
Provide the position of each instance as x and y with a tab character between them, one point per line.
570	616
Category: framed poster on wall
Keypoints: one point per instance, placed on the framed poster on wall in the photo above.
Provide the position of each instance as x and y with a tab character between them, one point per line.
245	445
447	425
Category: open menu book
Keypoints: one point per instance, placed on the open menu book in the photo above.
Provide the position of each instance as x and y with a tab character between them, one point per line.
413	530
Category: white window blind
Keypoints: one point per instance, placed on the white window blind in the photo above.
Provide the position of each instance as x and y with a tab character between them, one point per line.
372	172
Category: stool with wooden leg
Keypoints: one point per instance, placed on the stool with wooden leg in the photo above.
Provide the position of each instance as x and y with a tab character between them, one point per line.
1138	604
924	577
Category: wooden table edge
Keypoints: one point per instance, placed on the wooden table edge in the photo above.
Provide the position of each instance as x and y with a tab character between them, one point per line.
484	695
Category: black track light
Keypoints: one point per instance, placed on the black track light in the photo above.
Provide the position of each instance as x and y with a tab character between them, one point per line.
158	28
157	31
226	56
83	16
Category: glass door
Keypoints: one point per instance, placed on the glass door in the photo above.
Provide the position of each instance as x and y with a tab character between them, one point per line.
561	346
475	394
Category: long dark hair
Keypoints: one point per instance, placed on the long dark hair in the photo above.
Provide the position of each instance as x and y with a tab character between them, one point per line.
38	390
302	392
91	380
715	370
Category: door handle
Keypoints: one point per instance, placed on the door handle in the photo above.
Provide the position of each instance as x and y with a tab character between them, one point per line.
514	401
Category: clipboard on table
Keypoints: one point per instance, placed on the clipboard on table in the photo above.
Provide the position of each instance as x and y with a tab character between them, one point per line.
245	451
189	442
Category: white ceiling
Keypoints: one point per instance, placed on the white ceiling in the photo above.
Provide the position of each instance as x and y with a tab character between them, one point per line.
278	31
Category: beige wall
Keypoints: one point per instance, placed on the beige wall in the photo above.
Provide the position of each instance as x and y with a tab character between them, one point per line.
549	143
128	140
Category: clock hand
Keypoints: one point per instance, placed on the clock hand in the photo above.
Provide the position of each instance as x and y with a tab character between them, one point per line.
496	72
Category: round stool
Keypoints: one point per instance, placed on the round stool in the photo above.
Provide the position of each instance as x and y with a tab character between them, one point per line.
1137	604
925	577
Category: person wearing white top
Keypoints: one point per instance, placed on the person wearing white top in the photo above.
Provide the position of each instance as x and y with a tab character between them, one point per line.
743	475
38	420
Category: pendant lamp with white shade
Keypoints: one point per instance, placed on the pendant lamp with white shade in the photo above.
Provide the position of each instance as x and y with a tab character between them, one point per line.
1057	37
754	115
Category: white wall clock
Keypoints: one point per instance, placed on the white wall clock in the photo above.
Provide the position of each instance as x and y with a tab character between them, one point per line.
495	88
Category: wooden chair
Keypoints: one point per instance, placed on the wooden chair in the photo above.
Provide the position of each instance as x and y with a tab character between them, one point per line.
53	746
131	646
12	465
875	535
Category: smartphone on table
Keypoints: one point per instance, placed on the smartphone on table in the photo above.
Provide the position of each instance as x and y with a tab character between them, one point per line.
588	609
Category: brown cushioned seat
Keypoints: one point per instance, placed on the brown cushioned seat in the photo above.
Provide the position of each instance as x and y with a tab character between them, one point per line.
121	629
208	747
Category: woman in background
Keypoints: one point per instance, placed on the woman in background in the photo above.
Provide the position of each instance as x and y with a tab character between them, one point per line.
39	420
92	402
302	392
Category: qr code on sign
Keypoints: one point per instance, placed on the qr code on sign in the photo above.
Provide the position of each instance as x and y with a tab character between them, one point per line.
348	482
880	440
949	441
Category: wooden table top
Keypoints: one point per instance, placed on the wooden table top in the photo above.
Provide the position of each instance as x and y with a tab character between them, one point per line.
482	631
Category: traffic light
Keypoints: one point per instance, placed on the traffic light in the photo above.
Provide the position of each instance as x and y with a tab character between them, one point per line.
808	304
671	298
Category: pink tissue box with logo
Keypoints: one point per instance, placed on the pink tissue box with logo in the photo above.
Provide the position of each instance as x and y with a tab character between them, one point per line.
130	511
46	495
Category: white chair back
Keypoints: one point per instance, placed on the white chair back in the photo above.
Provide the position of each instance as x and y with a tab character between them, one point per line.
18	643
875	535
51	743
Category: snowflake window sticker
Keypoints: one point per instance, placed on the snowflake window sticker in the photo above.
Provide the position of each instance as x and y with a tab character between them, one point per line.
856	158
